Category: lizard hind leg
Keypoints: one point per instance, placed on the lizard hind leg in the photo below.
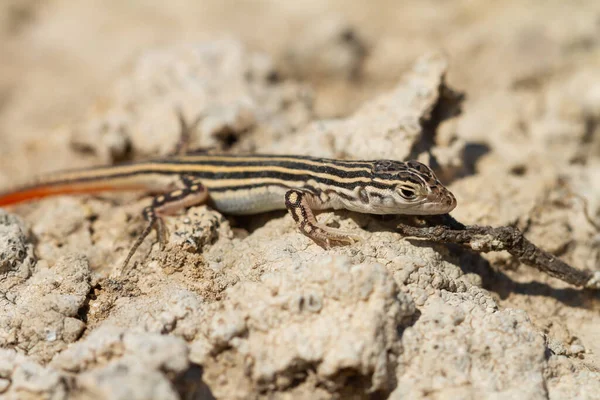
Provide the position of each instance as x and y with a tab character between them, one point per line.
185	135
191	194
298	204
151	218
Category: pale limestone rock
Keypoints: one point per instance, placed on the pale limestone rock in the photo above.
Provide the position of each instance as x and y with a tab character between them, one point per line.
40	316
251	308
331	318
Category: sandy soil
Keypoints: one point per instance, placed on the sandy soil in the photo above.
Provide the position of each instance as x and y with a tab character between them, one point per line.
502	98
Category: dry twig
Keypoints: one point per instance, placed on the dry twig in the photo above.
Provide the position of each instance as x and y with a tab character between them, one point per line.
484	239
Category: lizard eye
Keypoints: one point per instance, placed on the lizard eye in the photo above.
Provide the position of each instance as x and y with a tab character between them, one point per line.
408	194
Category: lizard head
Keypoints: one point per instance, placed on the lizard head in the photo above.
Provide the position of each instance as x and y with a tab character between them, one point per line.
407	188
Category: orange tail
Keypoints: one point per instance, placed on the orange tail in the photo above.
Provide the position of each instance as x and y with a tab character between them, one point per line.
133	176
38	192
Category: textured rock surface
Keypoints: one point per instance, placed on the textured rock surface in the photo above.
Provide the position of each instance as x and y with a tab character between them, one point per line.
387	127
248	307
333	320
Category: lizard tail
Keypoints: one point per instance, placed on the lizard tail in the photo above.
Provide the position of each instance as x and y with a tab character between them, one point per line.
127	177
38	192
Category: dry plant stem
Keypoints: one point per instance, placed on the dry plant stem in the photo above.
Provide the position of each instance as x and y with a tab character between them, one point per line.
484	239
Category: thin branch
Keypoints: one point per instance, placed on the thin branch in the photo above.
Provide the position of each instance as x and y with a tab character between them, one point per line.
484	239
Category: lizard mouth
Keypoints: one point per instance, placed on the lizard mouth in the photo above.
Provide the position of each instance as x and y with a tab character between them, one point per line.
441	203
449	202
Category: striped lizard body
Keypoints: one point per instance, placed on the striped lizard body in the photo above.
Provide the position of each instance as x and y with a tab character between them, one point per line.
249	184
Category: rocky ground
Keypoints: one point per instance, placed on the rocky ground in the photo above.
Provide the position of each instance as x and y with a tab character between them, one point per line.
501	98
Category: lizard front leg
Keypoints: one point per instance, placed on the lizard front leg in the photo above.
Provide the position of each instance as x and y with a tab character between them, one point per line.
298	203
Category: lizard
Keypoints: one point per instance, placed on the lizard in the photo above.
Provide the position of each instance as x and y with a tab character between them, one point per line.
253	183
250	184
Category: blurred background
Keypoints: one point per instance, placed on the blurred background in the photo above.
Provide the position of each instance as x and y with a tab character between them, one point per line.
58	56
526	141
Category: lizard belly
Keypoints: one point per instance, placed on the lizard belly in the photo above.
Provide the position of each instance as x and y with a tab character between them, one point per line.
249	201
